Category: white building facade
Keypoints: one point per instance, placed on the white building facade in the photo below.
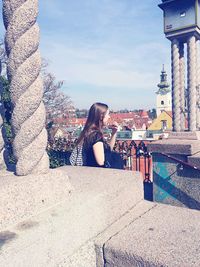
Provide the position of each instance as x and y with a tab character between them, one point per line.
163	95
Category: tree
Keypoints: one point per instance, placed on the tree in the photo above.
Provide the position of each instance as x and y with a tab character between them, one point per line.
58	105
152	113
5	95
5	109
3	57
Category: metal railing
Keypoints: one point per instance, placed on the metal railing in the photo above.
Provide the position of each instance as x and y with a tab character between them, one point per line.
136	156
134	153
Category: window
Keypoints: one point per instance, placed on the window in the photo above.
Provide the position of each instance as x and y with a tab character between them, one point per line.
162	102
164	124
127	135
182	14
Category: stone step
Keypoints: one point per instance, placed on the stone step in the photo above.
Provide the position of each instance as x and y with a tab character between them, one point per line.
163	236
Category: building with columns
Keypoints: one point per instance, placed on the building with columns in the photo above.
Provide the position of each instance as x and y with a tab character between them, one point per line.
163	95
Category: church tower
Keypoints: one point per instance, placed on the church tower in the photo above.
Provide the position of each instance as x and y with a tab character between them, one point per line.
163	98
182	28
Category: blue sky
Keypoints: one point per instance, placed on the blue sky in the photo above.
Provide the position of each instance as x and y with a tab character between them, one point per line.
105	50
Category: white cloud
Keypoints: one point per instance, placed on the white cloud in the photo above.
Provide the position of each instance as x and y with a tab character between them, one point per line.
102	75
102	67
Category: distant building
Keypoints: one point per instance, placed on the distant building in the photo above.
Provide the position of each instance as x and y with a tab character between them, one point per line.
124	135
163	98
160	125
131	120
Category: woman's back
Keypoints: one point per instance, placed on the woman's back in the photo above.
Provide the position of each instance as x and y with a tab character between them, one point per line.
89	141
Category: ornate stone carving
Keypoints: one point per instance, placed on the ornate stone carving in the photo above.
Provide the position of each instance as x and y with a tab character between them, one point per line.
192	101
23	70
182	86
176	86
198	83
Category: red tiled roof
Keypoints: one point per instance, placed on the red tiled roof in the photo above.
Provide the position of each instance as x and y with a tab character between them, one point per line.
129	119
169	113
143	114
70	121
128	115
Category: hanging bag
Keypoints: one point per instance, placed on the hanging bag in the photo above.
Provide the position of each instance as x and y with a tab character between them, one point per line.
113	160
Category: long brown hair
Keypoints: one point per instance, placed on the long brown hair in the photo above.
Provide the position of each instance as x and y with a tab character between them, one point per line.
94	120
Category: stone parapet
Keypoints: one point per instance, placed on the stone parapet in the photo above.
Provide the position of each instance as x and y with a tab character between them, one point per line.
63	232
185	135
23	197
104	221
174	146
194	160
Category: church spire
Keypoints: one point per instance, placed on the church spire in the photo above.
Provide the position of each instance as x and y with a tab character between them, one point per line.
163	86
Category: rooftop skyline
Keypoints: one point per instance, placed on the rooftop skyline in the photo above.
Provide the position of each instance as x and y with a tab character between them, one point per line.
110	50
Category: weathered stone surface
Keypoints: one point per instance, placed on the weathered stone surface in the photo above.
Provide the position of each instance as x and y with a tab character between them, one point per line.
164	236
104	214
23	197
174	146
63	232
132	215
185	135
194	160
24	63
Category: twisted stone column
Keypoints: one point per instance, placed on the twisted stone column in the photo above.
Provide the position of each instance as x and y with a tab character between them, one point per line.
191	44
2	145
23	70
182	86
198	82
176	86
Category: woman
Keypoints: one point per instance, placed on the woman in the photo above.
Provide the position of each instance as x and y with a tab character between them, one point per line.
98	153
